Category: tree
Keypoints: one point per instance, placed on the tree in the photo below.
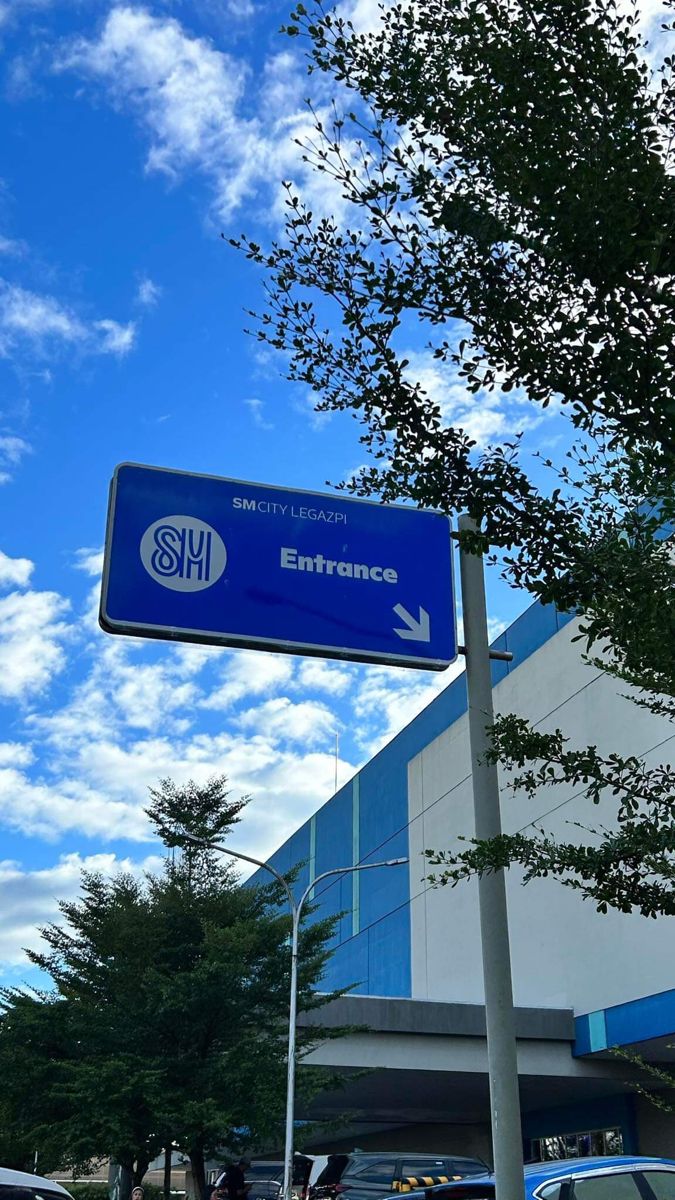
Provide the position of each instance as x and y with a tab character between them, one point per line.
33	1037
631	864
224	981
510	166
171	1001
85	1070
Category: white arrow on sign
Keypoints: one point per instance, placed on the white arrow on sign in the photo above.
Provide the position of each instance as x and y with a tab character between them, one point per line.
418	630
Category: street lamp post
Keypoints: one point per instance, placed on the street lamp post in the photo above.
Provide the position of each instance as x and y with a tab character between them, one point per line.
296	907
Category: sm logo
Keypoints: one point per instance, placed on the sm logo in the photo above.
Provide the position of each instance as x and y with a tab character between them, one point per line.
183	553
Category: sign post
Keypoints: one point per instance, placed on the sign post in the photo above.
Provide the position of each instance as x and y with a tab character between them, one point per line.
203	559
507	1143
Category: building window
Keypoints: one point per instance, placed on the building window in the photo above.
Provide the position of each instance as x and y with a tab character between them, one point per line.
577	1145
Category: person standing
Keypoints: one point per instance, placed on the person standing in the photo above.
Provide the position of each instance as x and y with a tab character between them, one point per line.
235	1181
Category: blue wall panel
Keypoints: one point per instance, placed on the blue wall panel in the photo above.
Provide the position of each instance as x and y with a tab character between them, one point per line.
383	805
384	890
349	965
346	921
334	832
624	1024
651	1016
389	971
299	853
333	849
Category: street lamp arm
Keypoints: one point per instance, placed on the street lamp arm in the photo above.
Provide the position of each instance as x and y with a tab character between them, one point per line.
391	862
255	862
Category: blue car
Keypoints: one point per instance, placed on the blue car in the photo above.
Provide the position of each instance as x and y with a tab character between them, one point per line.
620	1177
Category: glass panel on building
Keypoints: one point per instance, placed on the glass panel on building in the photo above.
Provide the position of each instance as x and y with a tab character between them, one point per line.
584	1144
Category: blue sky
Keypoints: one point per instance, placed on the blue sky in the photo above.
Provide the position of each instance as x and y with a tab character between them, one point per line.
131	136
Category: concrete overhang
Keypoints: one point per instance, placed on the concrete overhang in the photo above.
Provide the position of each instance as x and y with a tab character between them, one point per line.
426	1018
418	1061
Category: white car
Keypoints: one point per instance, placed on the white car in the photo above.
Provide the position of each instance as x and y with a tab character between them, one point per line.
17	1185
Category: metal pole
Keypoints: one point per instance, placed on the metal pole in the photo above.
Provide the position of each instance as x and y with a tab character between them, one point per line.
290	1089
290	1076
507	1142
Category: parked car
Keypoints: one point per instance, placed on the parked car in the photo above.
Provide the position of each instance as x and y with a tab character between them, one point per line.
621	1177
17	1185
360	1176
266	1177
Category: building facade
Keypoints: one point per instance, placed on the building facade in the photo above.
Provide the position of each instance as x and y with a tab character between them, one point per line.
584	982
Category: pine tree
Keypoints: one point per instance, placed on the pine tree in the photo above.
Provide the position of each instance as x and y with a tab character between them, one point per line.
169	1015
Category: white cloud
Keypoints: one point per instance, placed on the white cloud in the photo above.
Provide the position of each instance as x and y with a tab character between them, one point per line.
15	571
485	416
317	674
115	338
256	407
12	450
32	631
240	9
14	754
130	722
90	561
280	719
26	314
29	899
145	695
11	246
148	293
120	695
387	700
183	90
249	673
98	784
44	324
134	719
194	104
12	9
47	809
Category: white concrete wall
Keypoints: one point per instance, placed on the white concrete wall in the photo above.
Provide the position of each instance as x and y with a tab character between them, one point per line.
424	1052
564	953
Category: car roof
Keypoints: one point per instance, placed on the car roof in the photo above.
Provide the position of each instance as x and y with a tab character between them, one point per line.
22	1179
539	1172
566	1166
373	1155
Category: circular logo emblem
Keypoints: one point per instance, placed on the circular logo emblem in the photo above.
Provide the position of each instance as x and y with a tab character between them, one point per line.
183	553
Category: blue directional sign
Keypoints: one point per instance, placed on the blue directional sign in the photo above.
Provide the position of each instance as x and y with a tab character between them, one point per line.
202	559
